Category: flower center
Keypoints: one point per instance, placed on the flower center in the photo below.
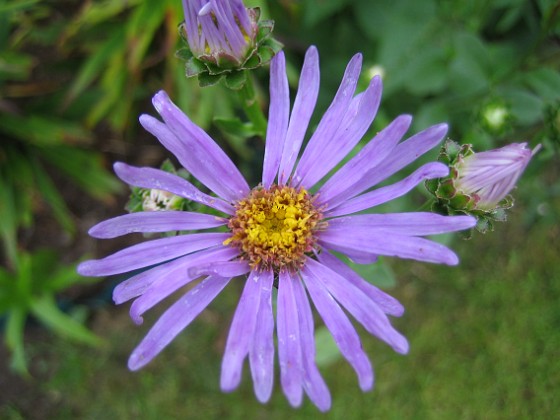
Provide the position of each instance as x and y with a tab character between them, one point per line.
274	228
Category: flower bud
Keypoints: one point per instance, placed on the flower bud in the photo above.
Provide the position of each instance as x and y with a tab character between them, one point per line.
224	37
479	183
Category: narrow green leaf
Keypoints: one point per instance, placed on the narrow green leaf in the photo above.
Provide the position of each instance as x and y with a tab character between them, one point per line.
46	311
42	130
15	327
8	221
96	64
16	6
84	168
53	198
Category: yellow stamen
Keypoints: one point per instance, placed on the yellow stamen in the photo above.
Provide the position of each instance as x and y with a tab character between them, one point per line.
275	228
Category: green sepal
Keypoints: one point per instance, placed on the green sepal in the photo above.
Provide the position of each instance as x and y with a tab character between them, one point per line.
236	80
484	224
461	201
184	54
194	67
446	189
253	62
225	62
265	29
268	49
207	79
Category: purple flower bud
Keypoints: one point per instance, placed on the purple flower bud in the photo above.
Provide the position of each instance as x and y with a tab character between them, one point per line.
219	29
491	175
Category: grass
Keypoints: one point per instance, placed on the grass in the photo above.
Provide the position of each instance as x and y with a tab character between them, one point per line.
484	344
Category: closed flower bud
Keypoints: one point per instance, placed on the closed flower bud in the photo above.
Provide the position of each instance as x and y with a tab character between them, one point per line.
491	175
223	38
479	183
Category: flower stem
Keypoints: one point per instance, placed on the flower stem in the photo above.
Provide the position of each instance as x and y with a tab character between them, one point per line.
250	104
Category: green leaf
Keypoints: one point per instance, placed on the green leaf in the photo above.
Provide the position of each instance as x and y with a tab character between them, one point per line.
53	198
525	106
63	277
15	65
42	130
84	168
46	311
316	11
15	326
96	64
16	6
427	72
236	127
8	221
146	19
469	70
545	82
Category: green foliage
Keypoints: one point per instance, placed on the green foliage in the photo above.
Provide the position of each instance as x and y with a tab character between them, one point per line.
28	290
40	142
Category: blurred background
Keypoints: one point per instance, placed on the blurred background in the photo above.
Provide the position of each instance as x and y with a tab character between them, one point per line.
74	76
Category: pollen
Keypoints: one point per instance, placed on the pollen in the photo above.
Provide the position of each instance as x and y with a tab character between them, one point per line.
275	228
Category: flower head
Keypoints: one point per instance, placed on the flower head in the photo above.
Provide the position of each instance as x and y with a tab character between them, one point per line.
282	233
223	36
479	183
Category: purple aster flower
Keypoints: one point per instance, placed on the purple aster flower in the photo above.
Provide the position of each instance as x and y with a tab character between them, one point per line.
282	233
219	29
491	175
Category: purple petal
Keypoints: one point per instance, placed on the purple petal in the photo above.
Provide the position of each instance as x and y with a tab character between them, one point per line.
138	284
304	104
175	319
356	122
154	221
240	336
278	116
387	243
313	383
387	303
167	282
224	269
416	224
150	253
289	350
196	151
390	192
346	181
341	329
160	180
261	354
365	310
331	121
405	153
